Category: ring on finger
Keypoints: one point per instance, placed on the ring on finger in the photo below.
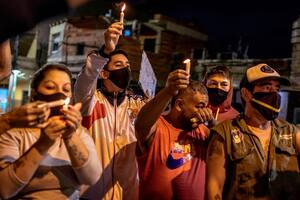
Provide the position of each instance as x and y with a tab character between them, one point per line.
40	118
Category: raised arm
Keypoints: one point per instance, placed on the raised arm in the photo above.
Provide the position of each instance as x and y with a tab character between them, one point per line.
215	168
150	112
86	83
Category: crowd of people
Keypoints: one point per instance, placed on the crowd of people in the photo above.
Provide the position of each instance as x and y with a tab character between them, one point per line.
110	144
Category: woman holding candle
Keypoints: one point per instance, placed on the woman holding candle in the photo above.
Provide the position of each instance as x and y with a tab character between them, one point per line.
28	115
218	82
52	161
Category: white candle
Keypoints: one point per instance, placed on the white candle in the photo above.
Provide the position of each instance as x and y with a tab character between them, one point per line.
53	103
187	63
66	103
56	103
122	13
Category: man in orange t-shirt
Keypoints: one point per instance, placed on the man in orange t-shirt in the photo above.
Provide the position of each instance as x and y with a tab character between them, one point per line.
171	149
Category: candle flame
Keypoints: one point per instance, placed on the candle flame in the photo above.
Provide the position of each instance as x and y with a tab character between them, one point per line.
123	8
67	100
186	61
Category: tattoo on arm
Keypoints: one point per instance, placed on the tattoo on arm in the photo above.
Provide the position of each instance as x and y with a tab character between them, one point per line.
77	154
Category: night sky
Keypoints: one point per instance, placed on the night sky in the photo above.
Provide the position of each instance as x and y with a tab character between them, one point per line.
265	26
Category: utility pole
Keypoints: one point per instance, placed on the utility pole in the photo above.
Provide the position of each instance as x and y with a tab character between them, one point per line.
14	75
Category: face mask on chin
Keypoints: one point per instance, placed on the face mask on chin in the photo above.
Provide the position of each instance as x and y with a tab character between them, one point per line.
216	96
267	103
120	77
48	98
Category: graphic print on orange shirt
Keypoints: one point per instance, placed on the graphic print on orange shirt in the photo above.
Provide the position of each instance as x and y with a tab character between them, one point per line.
179	155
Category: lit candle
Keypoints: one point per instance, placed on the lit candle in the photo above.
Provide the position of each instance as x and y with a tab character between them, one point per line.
53	103
122	13
66	103
56	103
187	63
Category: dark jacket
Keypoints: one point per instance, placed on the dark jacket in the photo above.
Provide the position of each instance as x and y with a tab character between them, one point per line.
249	174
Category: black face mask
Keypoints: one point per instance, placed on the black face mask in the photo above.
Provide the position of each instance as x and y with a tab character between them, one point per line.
267	103
49	98
216	96
120	77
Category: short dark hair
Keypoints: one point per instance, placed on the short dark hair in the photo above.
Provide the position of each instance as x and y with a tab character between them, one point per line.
245	84
193	87
41	73
118	51
115	52
222	70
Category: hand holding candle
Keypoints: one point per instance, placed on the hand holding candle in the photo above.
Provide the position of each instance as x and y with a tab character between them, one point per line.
72	117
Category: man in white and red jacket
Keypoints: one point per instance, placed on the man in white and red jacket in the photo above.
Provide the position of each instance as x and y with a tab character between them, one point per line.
109	114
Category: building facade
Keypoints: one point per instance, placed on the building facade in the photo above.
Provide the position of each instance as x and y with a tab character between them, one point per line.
71	40
295	65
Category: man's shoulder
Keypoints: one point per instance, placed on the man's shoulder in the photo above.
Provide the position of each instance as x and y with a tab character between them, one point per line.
285	126
162	125
281	123
223	125
99	95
